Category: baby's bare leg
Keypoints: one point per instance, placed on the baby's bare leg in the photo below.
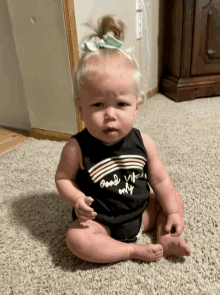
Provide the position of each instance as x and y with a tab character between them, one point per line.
92	242
154	217
150	215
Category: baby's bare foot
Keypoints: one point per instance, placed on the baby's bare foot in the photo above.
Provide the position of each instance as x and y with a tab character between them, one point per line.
147	253
174	246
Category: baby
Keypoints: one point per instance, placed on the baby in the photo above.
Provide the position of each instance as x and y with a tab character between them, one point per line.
105	170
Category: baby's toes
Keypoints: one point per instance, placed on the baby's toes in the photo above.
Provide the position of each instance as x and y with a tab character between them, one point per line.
157	250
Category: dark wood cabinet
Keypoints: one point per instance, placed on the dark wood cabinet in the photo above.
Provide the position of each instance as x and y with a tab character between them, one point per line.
191	49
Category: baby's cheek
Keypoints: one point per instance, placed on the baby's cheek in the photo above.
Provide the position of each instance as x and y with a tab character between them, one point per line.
97	119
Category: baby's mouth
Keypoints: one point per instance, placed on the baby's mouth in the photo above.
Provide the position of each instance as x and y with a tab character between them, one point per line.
110	130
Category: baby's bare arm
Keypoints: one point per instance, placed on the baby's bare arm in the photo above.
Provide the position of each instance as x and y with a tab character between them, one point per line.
159	179
163	188
67	170
65	179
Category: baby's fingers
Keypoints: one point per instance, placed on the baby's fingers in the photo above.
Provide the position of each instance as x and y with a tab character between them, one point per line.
84	206
168	228
89	201
82	219
177	232
84	211
86	216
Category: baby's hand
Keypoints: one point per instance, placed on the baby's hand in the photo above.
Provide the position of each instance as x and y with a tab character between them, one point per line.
175	224
82	209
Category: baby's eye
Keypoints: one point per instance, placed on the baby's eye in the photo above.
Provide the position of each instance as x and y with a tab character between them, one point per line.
122	104
98	104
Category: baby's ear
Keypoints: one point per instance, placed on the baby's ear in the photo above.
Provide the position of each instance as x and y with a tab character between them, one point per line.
140	101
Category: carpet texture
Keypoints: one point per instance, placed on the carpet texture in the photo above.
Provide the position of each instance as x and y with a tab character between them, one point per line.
34	218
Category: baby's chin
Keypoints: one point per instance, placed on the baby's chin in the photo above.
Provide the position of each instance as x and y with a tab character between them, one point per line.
110	143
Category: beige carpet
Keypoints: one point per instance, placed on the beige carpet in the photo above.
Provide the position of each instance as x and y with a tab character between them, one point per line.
34	218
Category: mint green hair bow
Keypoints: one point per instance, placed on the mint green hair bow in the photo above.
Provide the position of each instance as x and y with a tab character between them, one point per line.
108	41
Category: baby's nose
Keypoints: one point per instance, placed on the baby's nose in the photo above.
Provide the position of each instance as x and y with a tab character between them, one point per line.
110	112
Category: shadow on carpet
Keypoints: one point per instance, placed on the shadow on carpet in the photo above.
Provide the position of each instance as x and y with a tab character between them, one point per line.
47	217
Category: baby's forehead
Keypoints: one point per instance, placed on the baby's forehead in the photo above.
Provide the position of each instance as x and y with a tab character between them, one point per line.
111	79
109	73
105	62
108	68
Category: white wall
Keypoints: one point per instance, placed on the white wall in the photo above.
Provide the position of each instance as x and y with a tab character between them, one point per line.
35	79
43	57
126	10
149	62
13	108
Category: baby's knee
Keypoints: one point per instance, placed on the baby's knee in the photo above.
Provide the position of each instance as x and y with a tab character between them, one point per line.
76	241
74	235
71	237
79	234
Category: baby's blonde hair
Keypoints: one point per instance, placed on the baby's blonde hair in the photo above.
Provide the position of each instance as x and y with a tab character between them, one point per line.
109	23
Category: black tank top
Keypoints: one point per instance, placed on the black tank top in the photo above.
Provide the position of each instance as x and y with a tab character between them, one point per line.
114	176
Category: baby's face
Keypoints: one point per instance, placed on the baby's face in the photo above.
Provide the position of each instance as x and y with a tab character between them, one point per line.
108	103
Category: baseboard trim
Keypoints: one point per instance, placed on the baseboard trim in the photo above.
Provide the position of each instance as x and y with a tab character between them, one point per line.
152	92
50	135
